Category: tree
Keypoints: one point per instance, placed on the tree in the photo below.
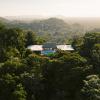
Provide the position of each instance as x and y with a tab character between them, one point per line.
2	26
90	39
96	54
11	38
95	57
77	43
7	85
64	75
12	53
13	66
91	88
19	93
30	38
40	40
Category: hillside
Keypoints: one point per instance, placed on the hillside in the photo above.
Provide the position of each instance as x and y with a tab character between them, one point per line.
55	29
3	20
51	25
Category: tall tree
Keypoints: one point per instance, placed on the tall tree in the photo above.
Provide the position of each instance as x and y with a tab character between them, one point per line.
30	38
91	88
11	38
90	39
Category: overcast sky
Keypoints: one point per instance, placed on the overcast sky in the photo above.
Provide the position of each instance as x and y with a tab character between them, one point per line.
69	8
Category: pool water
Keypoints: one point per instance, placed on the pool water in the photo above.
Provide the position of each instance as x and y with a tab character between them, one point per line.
46	52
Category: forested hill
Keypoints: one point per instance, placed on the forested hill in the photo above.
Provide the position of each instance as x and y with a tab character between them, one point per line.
3	20
51	25
57	29
54	29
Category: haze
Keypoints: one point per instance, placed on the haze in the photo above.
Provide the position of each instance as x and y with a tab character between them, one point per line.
68	8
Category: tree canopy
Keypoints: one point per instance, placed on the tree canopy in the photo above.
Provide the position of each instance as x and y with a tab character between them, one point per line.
66	75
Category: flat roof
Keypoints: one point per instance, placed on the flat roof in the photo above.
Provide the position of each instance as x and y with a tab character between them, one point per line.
50	45
65	47
35	47
60	47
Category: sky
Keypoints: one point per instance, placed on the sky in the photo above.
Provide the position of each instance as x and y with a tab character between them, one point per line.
68	8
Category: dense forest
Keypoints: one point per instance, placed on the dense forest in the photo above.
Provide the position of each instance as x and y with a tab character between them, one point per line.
26	75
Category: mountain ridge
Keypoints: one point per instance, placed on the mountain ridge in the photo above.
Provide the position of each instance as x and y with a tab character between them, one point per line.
55	28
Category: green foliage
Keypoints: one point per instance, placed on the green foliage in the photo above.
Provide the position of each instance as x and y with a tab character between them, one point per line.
35	63
77	42
19	93
91	88
14	66
90	39
25	75
11	53
30	38
7	85
11	39
60	74
96	53
1	26
95	57
40	40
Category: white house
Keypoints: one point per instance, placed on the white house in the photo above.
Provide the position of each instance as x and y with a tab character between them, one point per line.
65	47
35	47
49	48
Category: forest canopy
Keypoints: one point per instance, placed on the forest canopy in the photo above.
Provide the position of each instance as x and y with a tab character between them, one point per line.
26	75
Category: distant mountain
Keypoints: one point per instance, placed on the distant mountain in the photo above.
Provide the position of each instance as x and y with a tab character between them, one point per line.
95	30
88	22
3	20
25	18
51	25
57	29
54	28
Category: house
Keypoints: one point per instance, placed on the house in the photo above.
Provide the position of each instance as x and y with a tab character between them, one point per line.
49	48
35	47
65	47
